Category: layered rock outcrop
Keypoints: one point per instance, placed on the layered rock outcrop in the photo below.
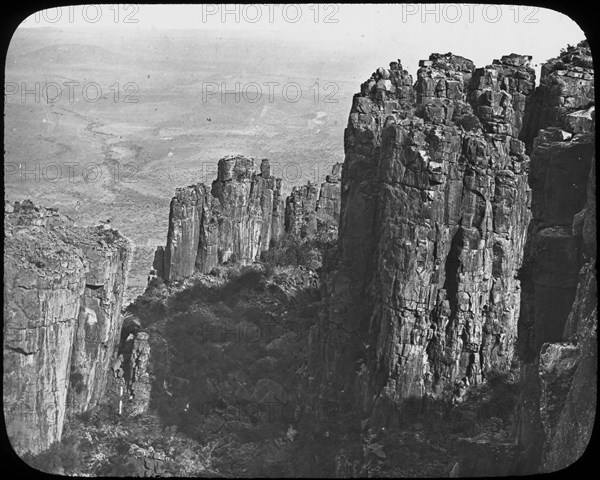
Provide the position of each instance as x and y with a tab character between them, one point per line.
435	207
565	95
240	217
499	93
63	291
236	219
307	205
301	210
557	327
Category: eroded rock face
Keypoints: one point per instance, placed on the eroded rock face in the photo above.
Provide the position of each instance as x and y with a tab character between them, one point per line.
301	210
558	177
557	327
308	205
330	197
237	219
567	369
433	220
63	290
131	373
565	95
240	217
499	92
568	408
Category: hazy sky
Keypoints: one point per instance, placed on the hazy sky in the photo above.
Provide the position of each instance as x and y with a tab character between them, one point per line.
406	31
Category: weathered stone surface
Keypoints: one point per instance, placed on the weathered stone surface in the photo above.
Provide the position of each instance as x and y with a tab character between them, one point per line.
185	216
558	176
433	220
63	290
330	197
136	372
132	371
569	389
557	327
99	322
237	219
581	121
278	218
301	210
157	263
566	87
568	370
308	204
441	88
242	215
499	91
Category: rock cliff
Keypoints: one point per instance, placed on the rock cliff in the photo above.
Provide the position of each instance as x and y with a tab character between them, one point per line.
131	374
435	207
557	327
307	205
301	210
240	217
236	219
565	95
63	291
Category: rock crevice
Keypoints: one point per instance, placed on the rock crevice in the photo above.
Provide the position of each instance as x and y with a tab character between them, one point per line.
557	326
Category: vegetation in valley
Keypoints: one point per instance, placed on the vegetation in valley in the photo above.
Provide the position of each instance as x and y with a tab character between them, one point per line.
228	355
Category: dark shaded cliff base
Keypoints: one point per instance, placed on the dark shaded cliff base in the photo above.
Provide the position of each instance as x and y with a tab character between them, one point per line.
226	356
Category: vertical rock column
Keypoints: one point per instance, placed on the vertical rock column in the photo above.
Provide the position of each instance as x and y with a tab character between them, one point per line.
237	218
301	210
433	219
328	207
309	206
278	222
185	216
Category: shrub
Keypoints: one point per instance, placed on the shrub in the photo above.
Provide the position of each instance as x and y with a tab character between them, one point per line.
292	250
60	458
150	307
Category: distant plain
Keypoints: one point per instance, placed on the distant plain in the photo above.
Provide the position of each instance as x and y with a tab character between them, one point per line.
121	154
